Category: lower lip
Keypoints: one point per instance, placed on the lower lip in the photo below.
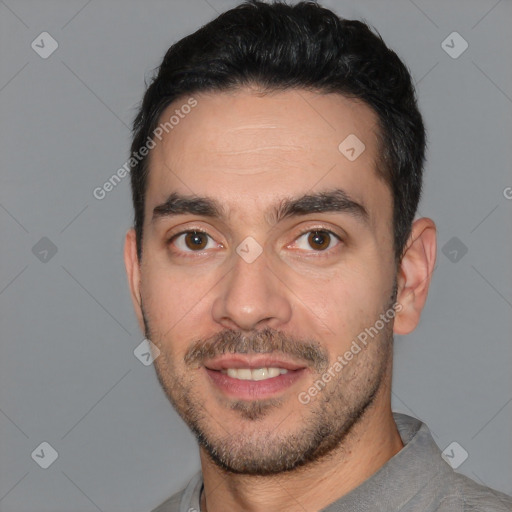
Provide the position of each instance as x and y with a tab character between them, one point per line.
254	389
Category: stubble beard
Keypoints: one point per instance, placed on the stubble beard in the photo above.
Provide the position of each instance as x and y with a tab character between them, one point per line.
256	447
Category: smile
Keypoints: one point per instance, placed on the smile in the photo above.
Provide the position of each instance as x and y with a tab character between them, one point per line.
254	377
254	373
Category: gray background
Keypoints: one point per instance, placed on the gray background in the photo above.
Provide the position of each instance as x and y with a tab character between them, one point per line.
69	376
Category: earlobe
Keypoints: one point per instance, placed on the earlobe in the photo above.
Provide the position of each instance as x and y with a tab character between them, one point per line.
414	275
132	266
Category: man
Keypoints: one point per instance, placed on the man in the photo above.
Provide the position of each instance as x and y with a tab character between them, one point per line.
275	251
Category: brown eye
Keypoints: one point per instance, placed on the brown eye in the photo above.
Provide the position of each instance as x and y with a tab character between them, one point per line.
319	240
195	240
192	241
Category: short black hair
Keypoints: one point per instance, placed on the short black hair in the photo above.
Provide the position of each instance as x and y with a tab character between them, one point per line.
276	46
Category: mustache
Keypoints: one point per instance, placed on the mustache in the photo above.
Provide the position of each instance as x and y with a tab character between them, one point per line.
265	341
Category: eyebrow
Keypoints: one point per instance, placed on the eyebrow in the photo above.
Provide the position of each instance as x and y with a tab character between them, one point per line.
330	201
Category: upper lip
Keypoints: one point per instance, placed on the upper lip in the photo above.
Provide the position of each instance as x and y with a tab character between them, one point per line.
253	362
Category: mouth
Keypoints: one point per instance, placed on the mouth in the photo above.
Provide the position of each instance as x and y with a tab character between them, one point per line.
254	374
253	378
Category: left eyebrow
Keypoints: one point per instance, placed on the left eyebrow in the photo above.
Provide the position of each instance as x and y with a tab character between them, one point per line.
337	201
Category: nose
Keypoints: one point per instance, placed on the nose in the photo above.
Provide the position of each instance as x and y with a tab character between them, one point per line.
251	297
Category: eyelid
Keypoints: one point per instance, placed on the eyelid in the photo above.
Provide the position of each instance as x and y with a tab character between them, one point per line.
322	229
171	234
171	238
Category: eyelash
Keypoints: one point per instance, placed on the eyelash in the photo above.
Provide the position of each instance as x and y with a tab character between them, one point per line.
319	254
320	229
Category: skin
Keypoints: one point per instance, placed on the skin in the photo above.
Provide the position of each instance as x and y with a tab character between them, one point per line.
249	151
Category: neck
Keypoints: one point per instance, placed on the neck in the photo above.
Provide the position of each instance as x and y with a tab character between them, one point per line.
372	441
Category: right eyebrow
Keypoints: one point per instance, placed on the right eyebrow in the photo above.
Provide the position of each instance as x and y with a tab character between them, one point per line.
177	204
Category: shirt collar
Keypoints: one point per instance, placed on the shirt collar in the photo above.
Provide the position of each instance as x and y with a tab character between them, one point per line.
403	476
394	484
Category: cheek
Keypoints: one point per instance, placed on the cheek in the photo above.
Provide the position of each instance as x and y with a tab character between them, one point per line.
176	307
349	301
166	297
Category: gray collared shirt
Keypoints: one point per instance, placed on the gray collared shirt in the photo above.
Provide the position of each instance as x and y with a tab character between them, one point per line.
416	479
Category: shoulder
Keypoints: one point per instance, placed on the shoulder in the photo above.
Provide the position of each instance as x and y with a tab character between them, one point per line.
172	504
186	500
440	487
465	495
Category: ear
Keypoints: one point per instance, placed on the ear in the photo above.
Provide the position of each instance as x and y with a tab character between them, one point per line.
414	275
131	262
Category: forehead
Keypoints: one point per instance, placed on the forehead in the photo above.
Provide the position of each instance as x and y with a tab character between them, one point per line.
247	148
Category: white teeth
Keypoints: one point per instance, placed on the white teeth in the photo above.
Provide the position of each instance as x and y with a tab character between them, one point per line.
261	373
244	373
256	374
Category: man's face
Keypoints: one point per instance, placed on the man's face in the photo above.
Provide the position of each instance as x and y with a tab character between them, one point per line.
251	302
